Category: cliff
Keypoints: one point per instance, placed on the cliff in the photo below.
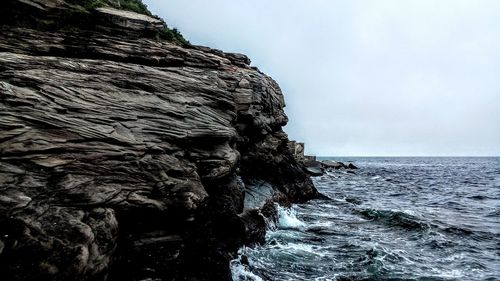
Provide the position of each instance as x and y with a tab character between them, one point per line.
127	154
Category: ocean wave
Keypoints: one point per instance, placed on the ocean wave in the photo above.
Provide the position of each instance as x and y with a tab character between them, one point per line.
457	230
394	218
441	243
287	219
321	230
495	213
480	197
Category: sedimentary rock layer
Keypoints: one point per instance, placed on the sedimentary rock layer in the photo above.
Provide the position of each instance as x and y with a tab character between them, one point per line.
126	157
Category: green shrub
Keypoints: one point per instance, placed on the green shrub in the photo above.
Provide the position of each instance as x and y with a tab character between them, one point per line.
172	35
129	5
135	6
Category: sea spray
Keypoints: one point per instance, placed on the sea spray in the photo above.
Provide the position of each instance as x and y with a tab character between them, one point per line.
287	218
240	271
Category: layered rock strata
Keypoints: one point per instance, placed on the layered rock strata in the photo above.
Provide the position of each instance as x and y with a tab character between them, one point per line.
126	157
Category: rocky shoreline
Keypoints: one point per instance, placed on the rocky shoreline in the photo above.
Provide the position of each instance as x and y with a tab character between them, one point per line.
312	166
127	157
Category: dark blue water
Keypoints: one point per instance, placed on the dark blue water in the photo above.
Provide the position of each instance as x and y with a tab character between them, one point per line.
395	219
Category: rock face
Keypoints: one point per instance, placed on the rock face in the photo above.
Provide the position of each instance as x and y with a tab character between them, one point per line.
330	164
123	157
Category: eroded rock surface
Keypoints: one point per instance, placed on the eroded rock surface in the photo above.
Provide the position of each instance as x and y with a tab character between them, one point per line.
125	157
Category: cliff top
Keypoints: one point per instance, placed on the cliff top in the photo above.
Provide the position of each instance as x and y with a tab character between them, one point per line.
127	5
129	17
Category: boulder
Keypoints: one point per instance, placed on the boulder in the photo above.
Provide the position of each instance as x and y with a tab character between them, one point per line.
314	171
330	164
311	161
351	166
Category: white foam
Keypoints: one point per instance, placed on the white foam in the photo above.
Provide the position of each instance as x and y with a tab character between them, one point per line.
325	278
240	272
305	249
287	218
455	273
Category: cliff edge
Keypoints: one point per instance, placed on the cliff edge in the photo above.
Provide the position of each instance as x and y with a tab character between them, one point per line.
129	154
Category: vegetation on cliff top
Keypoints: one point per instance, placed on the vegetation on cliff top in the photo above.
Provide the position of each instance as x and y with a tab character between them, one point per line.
129	5
79	15
169	34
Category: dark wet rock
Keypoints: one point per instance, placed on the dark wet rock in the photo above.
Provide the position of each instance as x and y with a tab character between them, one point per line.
269	211
313	167
255	227
257	193
311	161
321	196
351	172
330	164
125	157
314	171
351	166
244	260
297	150
336	165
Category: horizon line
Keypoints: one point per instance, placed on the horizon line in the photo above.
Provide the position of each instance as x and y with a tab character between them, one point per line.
402	156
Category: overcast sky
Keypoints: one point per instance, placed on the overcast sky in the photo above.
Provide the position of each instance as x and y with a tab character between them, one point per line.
367	77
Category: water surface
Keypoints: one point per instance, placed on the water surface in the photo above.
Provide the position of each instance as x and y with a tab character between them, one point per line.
395	219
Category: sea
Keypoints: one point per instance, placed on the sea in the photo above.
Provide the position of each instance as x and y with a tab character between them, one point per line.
401	218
